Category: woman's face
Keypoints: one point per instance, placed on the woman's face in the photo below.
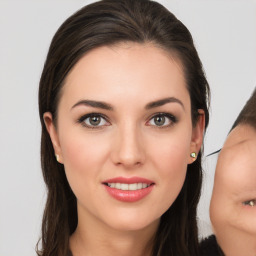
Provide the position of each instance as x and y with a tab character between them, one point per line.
124	134
233	203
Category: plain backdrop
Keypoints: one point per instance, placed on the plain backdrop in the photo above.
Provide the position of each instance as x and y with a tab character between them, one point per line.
225	36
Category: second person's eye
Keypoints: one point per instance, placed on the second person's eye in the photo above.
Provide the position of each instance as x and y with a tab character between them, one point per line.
250	202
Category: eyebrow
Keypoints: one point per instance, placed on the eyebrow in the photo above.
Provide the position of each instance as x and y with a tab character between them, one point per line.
106	106
164	101
94	104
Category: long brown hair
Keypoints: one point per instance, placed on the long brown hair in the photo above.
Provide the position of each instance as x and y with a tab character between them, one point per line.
109	22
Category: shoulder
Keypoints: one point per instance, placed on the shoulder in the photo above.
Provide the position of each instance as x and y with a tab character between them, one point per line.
209	247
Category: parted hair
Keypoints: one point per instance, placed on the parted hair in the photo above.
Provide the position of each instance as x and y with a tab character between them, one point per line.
110	22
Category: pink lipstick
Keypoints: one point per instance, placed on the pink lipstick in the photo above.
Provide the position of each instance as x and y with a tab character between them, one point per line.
128	189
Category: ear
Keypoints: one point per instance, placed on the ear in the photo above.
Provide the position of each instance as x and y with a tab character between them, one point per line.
197	135
48	120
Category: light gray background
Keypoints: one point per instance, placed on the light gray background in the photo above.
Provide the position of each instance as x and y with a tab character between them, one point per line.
224	33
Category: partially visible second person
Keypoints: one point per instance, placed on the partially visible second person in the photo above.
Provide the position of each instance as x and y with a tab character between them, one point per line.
233	203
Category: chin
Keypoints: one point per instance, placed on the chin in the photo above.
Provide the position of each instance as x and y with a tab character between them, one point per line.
128	223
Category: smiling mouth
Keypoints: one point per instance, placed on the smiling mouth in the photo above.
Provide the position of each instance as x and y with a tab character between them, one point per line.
128	187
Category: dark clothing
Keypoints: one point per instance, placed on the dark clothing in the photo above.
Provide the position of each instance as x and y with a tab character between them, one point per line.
210	247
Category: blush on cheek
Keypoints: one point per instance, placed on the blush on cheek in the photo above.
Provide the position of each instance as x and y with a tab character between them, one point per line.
83	155
80	148
172	163
173	155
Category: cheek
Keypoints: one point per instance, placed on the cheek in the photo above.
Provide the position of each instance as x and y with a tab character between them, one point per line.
81	149
170	161
227	211
244	221
83	156
172	153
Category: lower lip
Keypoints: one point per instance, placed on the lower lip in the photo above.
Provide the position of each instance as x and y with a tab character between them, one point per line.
129	195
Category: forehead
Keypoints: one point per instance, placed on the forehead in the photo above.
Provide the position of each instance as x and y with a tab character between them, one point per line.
243	152
239	134
240	144
132	56
128	68
236	164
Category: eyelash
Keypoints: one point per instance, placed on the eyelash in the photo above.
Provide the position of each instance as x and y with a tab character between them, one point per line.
172	120
90	115
251	202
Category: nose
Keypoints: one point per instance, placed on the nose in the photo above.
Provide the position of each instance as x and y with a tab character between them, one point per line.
127	147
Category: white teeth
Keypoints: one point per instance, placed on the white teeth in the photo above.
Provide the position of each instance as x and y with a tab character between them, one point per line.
133	186
124	186
144	185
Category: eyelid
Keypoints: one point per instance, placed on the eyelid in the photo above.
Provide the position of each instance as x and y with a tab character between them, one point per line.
173	119
251	202
93	114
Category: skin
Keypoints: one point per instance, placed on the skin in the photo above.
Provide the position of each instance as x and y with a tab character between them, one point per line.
127	143
234	221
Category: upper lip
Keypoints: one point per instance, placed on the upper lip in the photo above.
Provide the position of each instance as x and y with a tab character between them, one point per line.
130	180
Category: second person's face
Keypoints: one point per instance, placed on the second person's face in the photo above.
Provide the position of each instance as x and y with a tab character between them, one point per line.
233	204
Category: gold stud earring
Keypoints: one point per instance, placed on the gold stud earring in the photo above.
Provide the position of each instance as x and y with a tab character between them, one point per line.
193	155
57	157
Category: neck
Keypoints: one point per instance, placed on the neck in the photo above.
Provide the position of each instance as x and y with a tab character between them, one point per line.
94	238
